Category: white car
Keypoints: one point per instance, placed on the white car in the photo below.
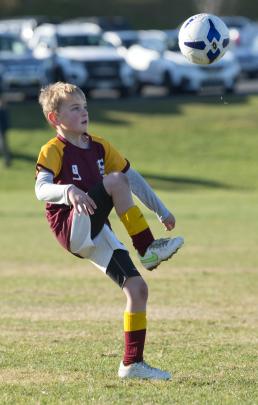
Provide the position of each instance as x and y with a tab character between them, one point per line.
158	62
150	63
21	72
79	55
152	68
194	78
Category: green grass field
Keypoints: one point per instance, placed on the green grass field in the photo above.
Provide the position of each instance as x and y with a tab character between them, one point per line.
61	332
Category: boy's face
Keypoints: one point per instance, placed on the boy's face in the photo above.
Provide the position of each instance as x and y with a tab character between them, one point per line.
72	117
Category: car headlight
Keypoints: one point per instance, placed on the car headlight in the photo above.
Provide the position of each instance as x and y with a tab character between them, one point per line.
75	71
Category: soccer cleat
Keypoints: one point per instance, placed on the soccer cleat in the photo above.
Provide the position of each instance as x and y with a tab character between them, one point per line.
160	250
142	370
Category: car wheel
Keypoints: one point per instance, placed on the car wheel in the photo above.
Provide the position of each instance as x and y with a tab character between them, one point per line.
124	92
139	89
230	90
252	75
168	83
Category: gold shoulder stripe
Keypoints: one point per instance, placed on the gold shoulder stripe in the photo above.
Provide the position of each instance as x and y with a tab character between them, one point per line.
114	161
51	155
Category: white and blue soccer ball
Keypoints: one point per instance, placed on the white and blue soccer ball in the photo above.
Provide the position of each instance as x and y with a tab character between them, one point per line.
203	39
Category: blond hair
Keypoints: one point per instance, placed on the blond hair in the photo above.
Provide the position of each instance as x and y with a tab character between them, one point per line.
52	96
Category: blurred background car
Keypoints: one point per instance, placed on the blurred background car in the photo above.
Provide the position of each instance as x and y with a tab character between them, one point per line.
24	26
21	71
159	62
106	53
242	29
79	55
148	59
224	73
244	40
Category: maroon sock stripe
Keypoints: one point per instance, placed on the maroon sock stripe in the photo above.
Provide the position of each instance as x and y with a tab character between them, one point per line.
134	346
142	240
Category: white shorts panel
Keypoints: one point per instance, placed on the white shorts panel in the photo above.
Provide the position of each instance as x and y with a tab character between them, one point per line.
80	239
100	250
105	244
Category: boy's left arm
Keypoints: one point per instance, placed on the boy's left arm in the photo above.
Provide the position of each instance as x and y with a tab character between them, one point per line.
148	197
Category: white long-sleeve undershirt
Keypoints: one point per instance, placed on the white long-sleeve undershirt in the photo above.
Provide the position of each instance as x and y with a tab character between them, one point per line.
47	191
146	195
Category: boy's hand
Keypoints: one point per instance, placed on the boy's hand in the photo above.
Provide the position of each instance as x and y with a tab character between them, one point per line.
81	201
169	222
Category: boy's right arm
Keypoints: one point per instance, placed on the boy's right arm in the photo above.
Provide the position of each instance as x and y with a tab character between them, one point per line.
67	194
47	191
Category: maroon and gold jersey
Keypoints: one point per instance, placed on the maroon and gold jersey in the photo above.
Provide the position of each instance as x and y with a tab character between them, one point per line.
82	167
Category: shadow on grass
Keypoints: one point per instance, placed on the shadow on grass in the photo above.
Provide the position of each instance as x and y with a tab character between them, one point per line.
182	183
156	181
28	115
101	110
25	157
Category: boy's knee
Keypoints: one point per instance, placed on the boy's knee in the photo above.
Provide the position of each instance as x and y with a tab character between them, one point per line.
137	289
143	291
115	179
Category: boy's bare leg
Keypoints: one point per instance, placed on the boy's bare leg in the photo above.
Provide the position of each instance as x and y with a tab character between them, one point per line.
136	291
117	186
135	324
152	252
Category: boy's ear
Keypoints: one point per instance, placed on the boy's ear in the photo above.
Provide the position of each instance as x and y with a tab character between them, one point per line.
52	118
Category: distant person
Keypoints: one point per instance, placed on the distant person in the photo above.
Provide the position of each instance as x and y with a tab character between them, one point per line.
82	177
4	127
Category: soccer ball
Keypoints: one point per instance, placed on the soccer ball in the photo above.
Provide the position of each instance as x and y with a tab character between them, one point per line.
203	39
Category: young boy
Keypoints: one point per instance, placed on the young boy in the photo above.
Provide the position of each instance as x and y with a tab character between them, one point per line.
82	177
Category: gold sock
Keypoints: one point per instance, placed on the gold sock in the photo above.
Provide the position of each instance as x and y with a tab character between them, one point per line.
134	321
134	221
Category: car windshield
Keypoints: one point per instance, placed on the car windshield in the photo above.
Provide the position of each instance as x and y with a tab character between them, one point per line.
79	40
14	45
235	23
127	42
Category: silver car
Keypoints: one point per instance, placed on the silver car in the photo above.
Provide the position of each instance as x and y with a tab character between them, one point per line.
79	55
20	71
